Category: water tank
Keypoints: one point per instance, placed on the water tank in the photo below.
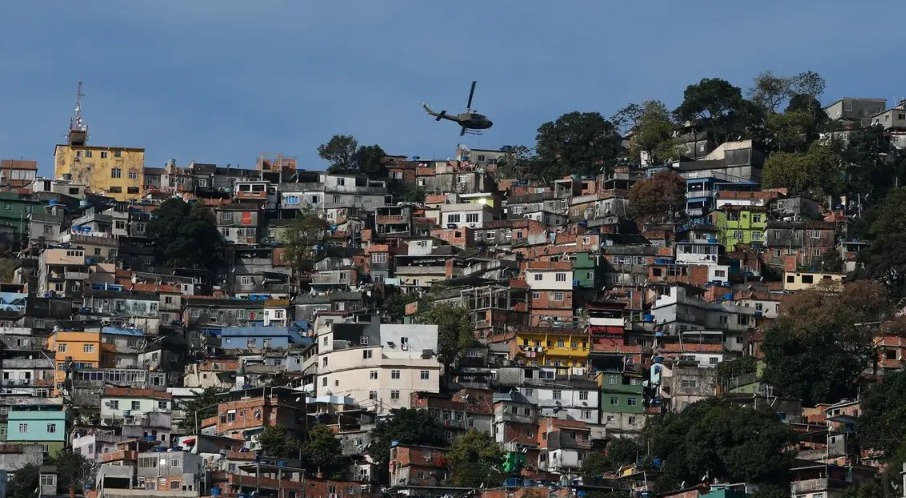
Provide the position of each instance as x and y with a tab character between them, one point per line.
215	491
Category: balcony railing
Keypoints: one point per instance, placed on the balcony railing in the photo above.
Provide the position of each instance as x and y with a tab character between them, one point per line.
75	275
114	456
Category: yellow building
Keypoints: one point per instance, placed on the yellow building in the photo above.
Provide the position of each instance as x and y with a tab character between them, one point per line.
84	349
117	172
551	347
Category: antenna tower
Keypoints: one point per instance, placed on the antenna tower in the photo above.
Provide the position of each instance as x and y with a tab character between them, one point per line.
78	130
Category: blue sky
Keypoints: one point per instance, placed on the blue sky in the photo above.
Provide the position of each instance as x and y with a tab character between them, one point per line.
224	80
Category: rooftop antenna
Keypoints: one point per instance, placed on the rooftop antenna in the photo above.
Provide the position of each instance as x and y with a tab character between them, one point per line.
78	130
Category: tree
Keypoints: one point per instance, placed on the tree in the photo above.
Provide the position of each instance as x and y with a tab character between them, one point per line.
654	132
814	173
276	441
24	482
475	459
200	407
709	99
406	426
369	160
596	464
395	306
517	162
186	235
818	347
872	165
73	470
885	259
340	152
455	332
346	157
302	241
322	450
769	91
660	197
623	451
722	440
882	425
579	142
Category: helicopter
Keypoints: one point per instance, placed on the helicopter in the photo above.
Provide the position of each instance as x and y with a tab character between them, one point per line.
470	121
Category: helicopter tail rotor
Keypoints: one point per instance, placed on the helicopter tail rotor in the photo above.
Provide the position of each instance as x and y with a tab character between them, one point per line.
440	115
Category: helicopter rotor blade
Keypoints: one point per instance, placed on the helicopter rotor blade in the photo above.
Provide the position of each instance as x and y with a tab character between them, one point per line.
471	94
463	131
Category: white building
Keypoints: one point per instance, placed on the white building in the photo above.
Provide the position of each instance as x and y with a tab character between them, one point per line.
377	365
124	403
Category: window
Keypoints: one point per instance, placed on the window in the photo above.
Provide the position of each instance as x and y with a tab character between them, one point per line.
372	394
246	280
366	354
116	190
538	277
558	296
713	360
51	427
373	375
341	181
61	348
48	480
115	404
561	277
324	382
88	153
556	394
394	374
363	340
324	361
808	279
136	405
529	393
379	258
425	375
23	428
453	218
688	383
131	190
395	395
116	173
88	348
756	235
737	234
583	395
471	217
536	295
103	154
720	273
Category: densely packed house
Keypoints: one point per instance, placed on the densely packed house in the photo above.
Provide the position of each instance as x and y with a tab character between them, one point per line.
587	322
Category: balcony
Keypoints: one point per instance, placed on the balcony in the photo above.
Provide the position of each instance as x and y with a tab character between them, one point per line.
75	275
815	485
115	456
264	482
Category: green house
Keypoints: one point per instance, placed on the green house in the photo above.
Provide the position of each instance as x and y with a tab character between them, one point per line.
739	225
621	393
588	271
14	212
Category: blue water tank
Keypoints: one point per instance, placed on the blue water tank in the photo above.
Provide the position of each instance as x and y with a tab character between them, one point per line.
215	491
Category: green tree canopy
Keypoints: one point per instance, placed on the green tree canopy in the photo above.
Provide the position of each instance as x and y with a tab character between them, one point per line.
301	241
407	426
818	346
769	90
475	460
660	197
346	156
186	235
277	441
882	424
24	482
709	99
455	332
576	143
322	450
200	407
814	173
722	440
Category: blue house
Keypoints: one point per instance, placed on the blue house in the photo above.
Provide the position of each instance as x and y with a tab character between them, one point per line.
260	337
44	424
